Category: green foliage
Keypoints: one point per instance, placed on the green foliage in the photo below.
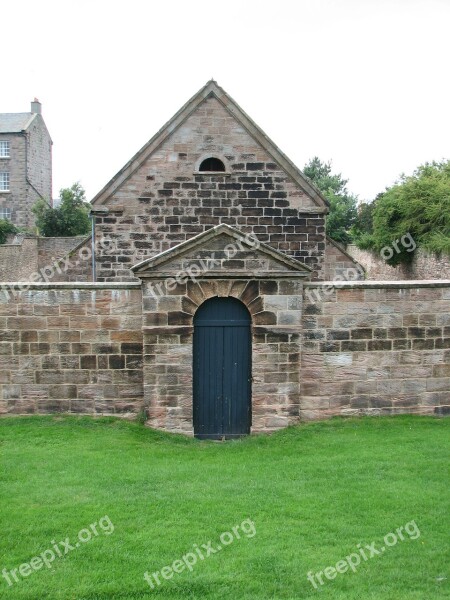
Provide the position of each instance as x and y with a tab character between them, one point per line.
142	417
342	204
363	224
70	218
418	205
6	227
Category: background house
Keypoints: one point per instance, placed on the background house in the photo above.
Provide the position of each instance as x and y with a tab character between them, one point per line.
25	164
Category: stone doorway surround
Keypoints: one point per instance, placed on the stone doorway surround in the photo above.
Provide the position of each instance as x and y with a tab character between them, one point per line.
221	262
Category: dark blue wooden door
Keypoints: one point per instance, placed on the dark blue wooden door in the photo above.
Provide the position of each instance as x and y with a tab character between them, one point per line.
222	369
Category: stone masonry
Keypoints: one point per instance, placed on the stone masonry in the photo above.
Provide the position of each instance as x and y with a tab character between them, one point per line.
365	348
161	199
270	286
169	236
375	348
71	348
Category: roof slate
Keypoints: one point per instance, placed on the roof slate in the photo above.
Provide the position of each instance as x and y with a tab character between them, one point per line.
15	122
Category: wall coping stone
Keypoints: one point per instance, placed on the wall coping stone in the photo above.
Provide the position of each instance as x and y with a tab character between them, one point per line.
69	285
411	283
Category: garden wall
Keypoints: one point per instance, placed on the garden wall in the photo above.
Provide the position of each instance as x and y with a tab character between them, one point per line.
31	258
375	348
71	348
424	265
366	348
18	258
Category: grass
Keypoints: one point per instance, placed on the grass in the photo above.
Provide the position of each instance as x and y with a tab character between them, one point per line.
313	492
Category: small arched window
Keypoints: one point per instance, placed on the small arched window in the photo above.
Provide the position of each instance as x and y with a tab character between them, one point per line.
212	164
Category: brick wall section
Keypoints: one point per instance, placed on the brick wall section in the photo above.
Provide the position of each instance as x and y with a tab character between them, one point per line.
71	349
375	348
424	265
166	201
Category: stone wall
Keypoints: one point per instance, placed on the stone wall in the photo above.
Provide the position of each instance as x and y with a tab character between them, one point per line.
55	248
39	160
27	258
72	349
340	264
360	348
18	260
375	348
424	265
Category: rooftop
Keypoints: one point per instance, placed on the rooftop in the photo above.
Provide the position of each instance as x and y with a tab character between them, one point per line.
15	122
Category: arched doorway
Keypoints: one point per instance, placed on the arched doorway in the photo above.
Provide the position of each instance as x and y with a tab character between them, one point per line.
222	369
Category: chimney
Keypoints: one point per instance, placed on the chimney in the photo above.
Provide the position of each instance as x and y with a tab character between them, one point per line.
36	107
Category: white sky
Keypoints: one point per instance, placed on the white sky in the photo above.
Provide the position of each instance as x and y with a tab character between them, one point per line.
365	83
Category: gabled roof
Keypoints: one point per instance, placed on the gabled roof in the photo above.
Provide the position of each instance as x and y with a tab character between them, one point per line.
15	122
286	263
211	89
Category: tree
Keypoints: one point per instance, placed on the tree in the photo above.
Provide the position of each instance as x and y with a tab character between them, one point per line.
342	204
6	227
418	205
70	218
362	228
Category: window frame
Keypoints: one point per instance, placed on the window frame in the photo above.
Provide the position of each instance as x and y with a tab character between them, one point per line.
4	181
5	209
204	157
7	145
213	159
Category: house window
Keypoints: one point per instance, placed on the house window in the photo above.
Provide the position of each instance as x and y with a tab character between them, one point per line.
4	149
212	164
4	181
5	213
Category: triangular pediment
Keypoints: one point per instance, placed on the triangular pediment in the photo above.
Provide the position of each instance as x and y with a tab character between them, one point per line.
222	251
212	90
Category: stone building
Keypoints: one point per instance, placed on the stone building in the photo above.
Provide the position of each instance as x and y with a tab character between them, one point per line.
25	164
215	308
210	164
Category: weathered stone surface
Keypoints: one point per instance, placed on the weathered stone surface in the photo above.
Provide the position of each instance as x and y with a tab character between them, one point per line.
68	368
389	347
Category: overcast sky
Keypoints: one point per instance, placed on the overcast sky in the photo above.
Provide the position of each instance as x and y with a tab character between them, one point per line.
363	83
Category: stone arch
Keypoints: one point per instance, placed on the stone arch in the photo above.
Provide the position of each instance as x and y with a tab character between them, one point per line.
214	155
247	291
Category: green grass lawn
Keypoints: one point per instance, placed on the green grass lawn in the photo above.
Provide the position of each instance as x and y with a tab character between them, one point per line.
313	493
